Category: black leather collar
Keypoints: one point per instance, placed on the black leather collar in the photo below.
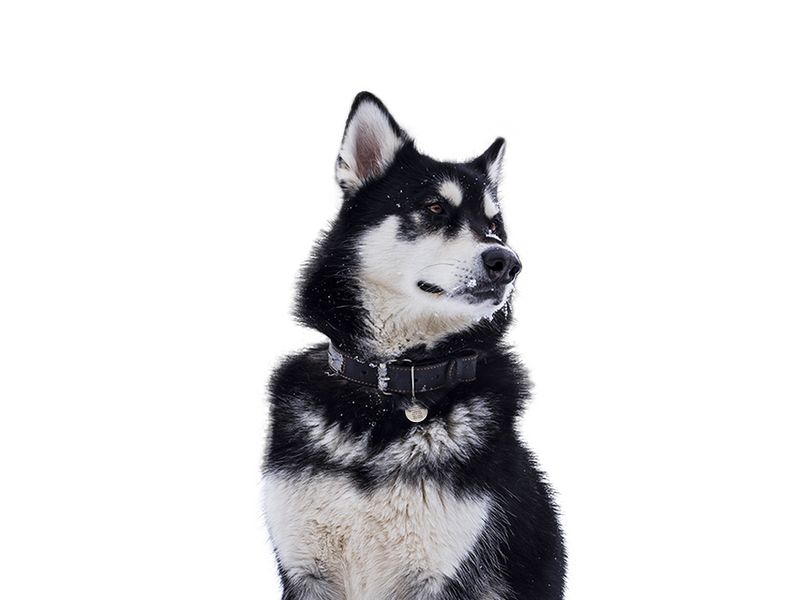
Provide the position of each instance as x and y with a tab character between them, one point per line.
396	377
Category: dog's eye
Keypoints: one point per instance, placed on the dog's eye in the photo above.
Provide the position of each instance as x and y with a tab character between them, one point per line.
436	209
493	226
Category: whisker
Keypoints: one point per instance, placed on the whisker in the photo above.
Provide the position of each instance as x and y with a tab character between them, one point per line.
442	264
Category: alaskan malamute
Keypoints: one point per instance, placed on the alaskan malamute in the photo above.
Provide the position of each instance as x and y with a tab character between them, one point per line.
393	470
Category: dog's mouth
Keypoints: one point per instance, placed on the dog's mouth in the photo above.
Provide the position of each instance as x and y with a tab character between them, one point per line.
431	288
472	292
494	294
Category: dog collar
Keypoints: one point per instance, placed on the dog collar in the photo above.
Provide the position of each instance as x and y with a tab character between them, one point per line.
405	377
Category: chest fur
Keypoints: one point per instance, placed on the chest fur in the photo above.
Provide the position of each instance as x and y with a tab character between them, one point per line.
404	537
371	544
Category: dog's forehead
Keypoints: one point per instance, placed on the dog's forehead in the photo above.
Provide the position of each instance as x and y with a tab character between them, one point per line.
465	189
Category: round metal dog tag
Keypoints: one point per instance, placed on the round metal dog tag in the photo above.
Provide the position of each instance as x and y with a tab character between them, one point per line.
416	413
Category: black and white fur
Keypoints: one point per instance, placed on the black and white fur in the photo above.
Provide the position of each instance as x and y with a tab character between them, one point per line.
361	503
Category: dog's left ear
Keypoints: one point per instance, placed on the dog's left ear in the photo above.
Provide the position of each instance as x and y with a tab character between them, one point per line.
371	140
491	161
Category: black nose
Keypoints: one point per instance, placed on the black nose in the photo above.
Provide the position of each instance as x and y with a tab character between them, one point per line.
501	264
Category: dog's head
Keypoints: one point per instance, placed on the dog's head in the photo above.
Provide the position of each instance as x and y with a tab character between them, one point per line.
418	252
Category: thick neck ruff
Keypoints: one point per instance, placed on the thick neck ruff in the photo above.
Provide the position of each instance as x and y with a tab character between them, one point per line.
405	377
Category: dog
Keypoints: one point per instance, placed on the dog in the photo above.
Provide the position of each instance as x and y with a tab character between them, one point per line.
392	469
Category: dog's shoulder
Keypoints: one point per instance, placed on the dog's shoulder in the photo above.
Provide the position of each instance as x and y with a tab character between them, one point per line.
282	386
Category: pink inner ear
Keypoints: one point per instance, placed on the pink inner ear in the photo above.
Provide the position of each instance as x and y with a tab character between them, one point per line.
368	159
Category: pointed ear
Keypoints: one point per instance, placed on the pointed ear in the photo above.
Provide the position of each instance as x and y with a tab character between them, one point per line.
371	140
491	162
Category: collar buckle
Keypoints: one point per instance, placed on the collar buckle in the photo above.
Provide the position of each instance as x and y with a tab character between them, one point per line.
383	379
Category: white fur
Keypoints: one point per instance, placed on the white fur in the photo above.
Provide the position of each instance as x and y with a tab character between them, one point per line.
368	147
401	314
493	236
495	167
452	192
264	543
369	545
340	447
490	206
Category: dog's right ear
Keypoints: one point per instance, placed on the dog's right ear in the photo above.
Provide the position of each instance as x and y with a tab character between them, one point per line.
371	140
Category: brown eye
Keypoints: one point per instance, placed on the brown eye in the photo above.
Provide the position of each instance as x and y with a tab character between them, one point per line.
493	226
436	209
